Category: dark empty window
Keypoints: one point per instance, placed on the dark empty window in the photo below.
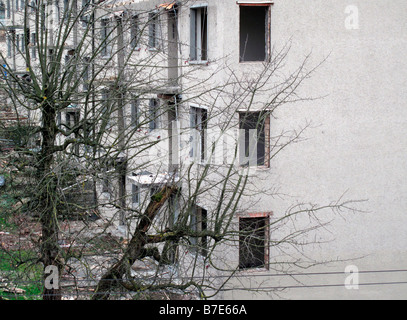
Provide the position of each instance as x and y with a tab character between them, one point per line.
198	125
134	32
10	45
72	119
199	34
199	218
254	33
106	109
253	140
105	37
86	74
8	9
135	194
252	242
33	46
106	184
153	110
134	112
153	30
66	9
84	17
2	10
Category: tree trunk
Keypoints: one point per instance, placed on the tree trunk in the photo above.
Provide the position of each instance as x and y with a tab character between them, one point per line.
135	249
47	189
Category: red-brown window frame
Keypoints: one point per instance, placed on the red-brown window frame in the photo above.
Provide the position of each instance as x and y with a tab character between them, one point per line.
266	216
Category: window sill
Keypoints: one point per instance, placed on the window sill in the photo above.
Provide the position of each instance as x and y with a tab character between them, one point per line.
253	62
199	62
260	167
257	270
254	171
203	162
199	161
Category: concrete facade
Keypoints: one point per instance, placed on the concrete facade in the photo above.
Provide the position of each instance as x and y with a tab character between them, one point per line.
356	144
353	110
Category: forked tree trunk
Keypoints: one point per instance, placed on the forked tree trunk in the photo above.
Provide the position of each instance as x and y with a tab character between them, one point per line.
135	249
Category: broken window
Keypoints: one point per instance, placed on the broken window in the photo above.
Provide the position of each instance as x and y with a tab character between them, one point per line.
69	57
33	46
106	185
135	194
9	46
33	6
254	138
153	110
153	30
59	119
173	137
170	249
254	32
18	42
66	9
199	34
134	32
84	17
86	74
198	125
106	109
88	135
174	208
72	119
105	37
252	242
85	3
134	112
2	10
198	224
8	7
23	42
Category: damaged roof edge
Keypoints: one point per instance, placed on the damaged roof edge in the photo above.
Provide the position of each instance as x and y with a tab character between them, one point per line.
118	3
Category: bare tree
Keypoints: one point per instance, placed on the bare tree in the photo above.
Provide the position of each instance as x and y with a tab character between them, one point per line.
119	143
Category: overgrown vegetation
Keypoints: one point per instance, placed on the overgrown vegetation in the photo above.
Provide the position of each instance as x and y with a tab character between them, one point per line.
20	269
5	203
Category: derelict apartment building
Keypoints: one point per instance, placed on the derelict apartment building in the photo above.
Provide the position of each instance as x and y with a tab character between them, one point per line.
306	101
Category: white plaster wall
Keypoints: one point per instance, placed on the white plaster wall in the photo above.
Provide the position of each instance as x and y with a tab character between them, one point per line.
356	144
359	144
